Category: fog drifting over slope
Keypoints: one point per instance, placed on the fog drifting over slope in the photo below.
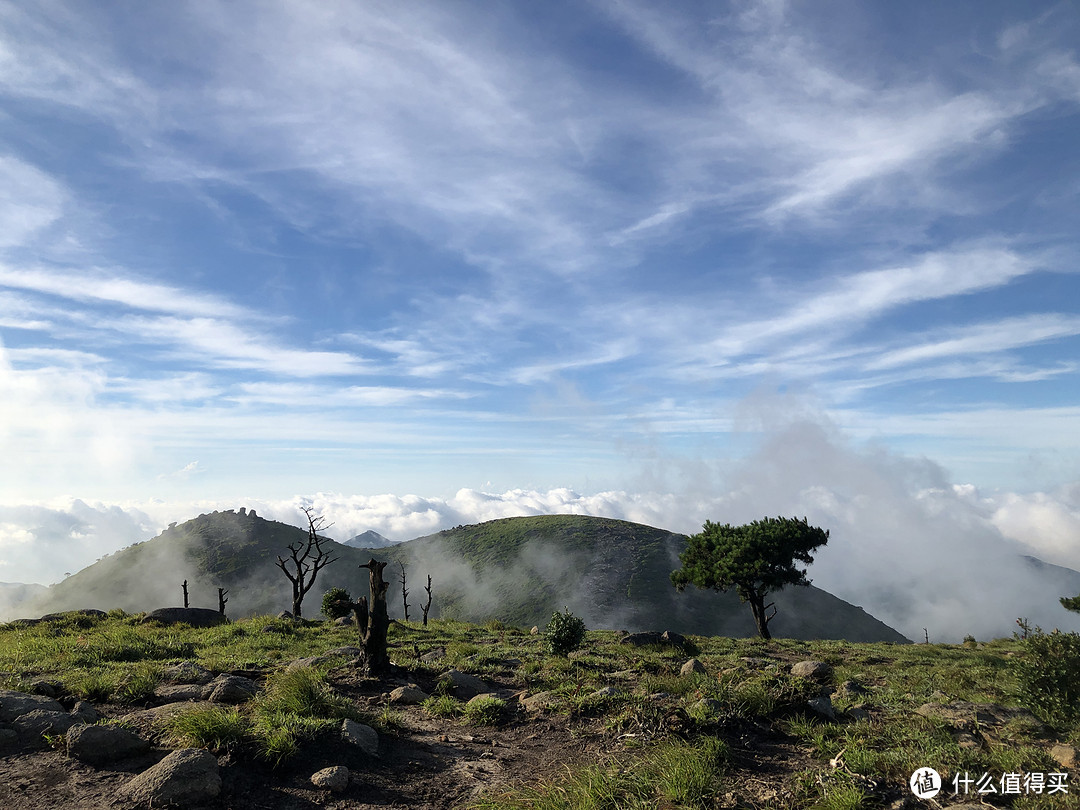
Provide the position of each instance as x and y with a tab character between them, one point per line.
910	547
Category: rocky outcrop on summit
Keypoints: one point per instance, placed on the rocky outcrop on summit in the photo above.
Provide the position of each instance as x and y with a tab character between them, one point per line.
196	617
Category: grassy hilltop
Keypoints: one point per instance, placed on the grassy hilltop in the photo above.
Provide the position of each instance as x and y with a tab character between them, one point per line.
613	573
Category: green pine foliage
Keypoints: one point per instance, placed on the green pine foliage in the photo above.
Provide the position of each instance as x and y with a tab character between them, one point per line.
336	603
565	633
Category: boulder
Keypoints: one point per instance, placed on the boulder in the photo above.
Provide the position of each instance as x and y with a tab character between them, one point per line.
196	617
1064	755
187	672
83	712
47	688
643	639
334	778
188	776
178	692
98	745
823	708
692	667
32	726
673	638
341	621
230	689
9	738
363	737
814	670
14	704
431	656
408	695
534	630
541	701
464	685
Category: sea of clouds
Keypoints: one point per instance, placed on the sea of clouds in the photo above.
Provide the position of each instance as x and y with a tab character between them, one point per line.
912	548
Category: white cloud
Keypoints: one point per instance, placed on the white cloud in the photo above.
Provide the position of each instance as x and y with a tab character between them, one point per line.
30	201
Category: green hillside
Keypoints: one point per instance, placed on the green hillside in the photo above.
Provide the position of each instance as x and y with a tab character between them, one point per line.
612	573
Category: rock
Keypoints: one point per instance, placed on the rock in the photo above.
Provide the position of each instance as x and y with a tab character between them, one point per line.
822	706
47	688
643	639
177	692
814	670
334	778
196	617
967	741
9	738
464	685
364	737
285	615
98	745
185	777
14	704
32	726
606	692
92	613
484	696
230	689
340	621
534	631
857	713
541	701
437	654
755	663
673	638
1064	755
692	667
852	689
187	672
83	712
964	714
408	695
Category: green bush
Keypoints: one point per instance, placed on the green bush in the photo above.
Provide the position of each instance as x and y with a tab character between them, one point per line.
336	603
565	633
1048	675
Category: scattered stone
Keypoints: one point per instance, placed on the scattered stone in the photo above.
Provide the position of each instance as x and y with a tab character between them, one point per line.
83	712
408	695
91	613
230	689
755	663
964	714
14	704
692	667
607	692
32	726
535	631
185	777
852	689
187	672
364	737
822	706
177	692
857	713
541	701
334	778
344	652
98	745
437	654
673	638
286	615
481	698
340	621
47	688
196	617
464	685
814	670
1064	755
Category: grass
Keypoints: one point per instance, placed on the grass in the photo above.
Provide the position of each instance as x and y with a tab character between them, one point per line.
668	750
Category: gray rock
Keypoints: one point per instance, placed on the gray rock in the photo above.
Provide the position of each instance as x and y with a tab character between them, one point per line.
607	692
196	617
438	654
643	639
84	712
363	737
230	689
1064	755
286	615
541	701
334	778
408	695
673	638
822	706
534	630
858	713
32	726
187	672
692	667
9	738
344	652
185	777
341	621
98	745
852	689
47	687
814	670
464	685
178	692
14	704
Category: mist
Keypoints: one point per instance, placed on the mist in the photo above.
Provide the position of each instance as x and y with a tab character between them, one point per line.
914	549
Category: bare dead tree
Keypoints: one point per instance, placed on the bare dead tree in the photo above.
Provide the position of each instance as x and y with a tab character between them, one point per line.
306	560
221	600
404	591
373	623
185	593
426	607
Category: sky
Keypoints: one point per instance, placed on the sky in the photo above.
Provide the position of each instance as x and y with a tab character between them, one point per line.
432	262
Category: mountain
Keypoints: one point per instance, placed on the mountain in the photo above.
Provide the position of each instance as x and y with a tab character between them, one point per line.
369	539
612	573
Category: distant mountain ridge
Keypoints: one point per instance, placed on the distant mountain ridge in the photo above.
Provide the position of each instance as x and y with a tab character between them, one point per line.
612	573
368	539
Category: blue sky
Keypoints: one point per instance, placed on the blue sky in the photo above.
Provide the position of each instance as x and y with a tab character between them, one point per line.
267	250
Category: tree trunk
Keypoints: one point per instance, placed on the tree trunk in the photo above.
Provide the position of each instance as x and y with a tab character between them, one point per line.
297	600
221	600
427	606
373	621
185	594
757	605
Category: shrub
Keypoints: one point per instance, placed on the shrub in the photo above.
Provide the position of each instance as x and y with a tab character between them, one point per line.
336	603
565	633
1048	675
484	711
